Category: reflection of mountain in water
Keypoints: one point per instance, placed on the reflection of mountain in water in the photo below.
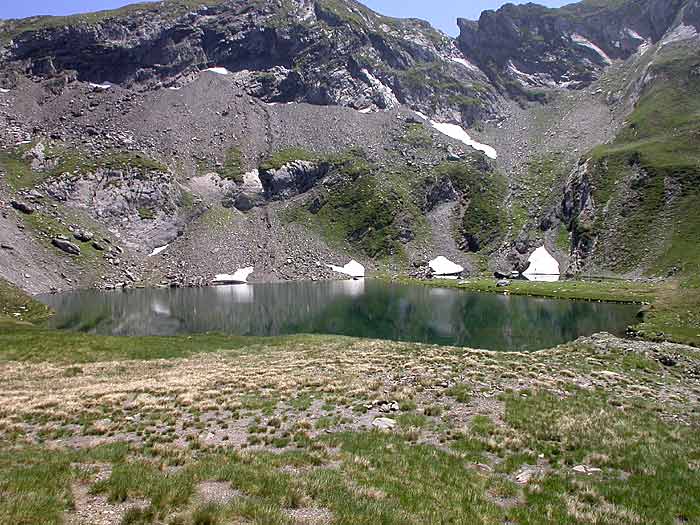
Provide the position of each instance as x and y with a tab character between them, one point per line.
358	308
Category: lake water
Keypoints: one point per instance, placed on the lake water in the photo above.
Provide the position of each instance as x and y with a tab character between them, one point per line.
373	309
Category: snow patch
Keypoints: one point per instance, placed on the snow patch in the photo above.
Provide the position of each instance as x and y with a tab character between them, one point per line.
158	250
583	41
537	79
421	115
543	267
2	90
354	269
680	33
101	87
644	44
466	64
175	88
633	34
442	266
458	133
365	110
240	277
218	70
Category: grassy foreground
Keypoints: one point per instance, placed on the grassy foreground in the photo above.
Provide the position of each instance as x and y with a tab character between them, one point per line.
221	430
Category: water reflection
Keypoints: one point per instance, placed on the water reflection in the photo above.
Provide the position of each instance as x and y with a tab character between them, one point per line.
357	308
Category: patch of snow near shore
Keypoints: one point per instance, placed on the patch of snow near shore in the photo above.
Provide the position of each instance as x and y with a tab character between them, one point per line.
354	269
158	250
101	87
583	41
543	267
241	276
218	70
443	266
365	110
2	90
458	133
680	33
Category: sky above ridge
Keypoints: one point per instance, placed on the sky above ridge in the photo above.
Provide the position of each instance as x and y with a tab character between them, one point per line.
442	14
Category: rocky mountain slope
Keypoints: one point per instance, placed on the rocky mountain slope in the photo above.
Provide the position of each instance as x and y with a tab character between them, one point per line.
172	141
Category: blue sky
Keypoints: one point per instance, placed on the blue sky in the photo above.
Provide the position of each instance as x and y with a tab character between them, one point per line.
442	13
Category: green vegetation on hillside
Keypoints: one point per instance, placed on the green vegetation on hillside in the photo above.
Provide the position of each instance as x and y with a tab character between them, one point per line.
233	165
358	209
483	222
535	187
647	181
61	160
284	156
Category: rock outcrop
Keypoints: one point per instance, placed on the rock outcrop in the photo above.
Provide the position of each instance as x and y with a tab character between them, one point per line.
521	46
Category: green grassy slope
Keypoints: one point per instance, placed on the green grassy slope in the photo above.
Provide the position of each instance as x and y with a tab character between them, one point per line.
646	183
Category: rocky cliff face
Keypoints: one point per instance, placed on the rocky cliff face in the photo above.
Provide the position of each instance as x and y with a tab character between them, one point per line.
533	46
325	52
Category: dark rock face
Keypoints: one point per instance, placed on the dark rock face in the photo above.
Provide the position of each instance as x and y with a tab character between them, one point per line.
530	45
440	192
578	212
23	207
291	179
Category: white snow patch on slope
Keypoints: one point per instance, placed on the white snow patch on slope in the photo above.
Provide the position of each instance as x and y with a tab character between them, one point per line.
538	79
365	110
421	115
458	133
354	269
466	64
644	44
543	267
443	266
175	88
389	97
218	70
680	33
632	33
158	250
583	41
101	87
522	76
2	90
240	277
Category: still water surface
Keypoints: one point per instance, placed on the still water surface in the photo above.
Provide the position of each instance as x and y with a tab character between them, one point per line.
373	309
